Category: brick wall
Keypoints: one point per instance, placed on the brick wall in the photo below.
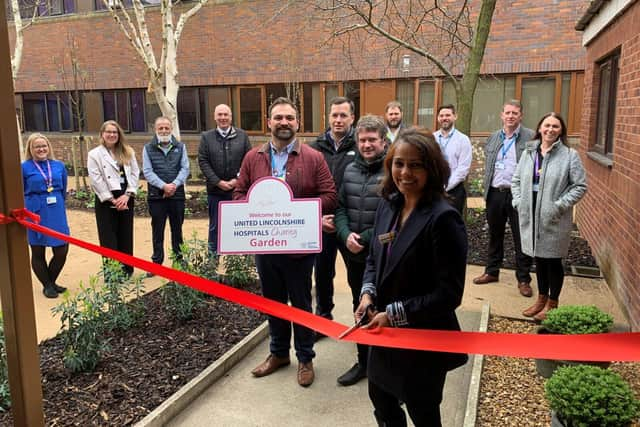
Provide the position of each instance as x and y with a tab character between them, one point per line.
246	42
609	215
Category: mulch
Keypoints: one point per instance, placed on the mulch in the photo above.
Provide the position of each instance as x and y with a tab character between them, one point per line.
148	363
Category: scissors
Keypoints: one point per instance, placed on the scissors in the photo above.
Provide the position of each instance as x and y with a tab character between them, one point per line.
359	323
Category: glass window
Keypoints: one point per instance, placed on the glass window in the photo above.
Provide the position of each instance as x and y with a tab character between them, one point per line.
538	95
352	91
448	93
312	107
607	88
491	94
251	108
330	92
137	111
188	105
48	112
127	107
405	96
55	7
99	4
35	112
426	101
564	98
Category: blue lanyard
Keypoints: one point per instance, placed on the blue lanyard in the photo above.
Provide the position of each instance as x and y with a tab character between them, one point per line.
446	138
275	171
505	150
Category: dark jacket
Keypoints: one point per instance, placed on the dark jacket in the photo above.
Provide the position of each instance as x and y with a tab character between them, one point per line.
336	160
358	200
220	158
425	270
165	166
307	174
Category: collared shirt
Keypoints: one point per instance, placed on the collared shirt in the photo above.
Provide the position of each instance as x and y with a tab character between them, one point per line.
506	160
223	132
153	179
391	135
336	143
457	149
279	159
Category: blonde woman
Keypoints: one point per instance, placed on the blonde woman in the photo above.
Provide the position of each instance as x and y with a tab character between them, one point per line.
44	180
114	174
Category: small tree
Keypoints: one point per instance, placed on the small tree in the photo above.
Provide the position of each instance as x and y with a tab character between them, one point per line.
162	74
441	32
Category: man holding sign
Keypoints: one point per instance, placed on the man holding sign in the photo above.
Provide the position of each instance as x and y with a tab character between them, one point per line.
287	278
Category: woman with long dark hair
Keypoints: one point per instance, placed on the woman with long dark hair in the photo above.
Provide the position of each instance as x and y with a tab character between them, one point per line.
549	180
114	175
414	278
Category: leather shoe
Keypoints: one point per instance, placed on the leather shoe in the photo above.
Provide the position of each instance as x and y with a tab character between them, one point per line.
484	279
353	375
305	374
59	289
525	289
269	366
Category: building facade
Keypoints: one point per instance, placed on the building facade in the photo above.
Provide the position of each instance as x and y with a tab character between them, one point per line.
609	216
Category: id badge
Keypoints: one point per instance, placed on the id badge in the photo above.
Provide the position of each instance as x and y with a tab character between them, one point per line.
500	165
51	200
536	187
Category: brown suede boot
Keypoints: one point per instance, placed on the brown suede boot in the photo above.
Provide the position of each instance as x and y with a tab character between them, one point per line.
536	307
551	304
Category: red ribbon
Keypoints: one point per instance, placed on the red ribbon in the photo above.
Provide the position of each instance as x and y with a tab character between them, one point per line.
623	347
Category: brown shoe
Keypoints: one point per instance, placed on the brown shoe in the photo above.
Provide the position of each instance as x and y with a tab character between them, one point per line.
536	307
305	374
269	366
484	279
551	304
525	289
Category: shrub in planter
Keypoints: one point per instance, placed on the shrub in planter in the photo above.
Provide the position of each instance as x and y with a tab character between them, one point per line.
569	320
239	270
588	396
5	394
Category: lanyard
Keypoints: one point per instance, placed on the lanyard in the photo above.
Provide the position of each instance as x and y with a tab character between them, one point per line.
537	166
48	180
446	138
275	171
505	150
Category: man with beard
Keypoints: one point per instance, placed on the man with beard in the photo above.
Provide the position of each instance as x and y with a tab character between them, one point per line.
338	148
502	154
457	150
285	278
357	204
220	154
165	165
393	117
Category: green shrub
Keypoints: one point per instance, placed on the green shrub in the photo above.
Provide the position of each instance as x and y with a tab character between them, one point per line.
83	326
5	394
588	396
578	319
239	270
119	288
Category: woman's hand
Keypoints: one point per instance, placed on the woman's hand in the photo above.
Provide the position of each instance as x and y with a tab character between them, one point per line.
380	320
121	203
365	301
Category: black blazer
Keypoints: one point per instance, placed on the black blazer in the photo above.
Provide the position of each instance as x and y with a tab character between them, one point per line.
425	271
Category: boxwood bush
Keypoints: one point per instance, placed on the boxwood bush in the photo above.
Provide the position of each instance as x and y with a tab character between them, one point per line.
578	319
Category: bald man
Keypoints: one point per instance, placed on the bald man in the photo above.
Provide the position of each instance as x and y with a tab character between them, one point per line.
220	155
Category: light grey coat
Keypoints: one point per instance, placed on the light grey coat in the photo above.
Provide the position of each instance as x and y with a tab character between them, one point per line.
491	148
562	184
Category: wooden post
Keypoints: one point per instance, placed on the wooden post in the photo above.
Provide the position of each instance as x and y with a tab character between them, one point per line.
74	160
15	273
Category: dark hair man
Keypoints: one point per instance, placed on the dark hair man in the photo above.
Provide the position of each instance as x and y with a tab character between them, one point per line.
457	150
283	277
338	148
165	165
502	153
220	154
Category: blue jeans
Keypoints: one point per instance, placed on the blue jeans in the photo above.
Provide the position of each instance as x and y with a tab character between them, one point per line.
213	200
284	278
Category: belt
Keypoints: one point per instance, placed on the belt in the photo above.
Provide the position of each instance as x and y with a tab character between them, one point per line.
502	189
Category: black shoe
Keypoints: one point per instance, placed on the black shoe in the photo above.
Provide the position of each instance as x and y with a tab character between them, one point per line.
59	289
353	375
317	336
50	292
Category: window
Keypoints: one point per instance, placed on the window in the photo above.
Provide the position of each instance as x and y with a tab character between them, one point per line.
48	112
125	107
192	107
491	93
99	4
251	108
538	98
426	99
404	95
607	70
312	115
352	92
42	8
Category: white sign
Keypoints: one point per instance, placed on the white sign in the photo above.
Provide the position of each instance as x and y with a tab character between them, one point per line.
270	221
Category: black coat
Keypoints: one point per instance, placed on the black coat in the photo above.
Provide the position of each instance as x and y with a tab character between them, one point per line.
220	158
425	271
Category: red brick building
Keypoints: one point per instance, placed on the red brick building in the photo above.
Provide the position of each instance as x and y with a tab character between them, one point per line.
609	216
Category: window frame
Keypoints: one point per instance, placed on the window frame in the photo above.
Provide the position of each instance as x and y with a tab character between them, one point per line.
611	61
130	119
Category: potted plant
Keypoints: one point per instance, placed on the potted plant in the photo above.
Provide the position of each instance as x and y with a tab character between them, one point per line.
572	319
589	396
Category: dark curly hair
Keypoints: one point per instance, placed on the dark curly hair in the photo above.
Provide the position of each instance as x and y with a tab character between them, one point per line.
437	168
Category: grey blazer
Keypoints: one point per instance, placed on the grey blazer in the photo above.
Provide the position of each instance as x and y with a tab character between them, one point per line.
562	184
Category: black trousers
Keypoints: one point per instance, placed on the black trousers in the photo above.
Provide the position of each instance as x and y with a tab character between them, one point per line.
324	272
459	197
422	404
550	274
115	228
499	211
355	272
160	210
